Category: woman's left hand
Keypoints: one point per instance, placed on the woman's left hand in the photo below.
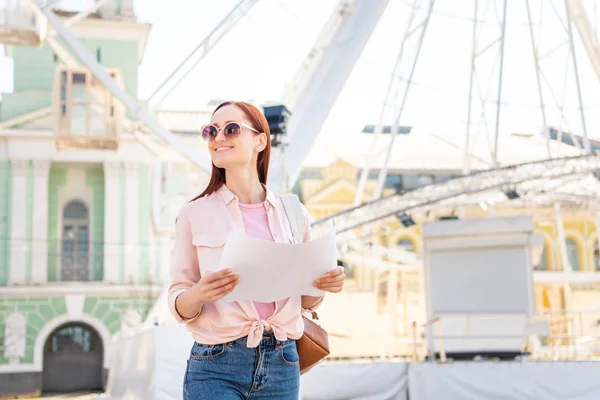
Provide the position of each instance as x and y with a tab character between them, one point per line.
333	281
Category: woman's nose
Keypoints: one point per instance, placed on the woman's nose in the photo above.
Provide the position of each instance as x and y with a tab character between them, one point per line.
220	135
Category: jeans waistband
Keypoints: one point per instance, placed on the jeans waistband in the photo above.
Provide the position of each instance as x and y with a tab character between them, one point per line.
268	339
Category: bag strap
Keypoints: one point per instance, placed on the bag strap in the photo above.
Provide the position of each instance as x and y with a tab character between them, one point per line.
295	215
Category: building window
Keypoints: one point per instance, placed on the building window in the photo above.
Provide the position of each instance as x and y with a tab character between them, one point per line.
75	255
573	254
406	244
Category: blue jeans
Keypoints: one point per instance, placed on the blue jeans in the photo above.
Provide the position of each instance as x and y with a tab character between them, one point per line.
232	371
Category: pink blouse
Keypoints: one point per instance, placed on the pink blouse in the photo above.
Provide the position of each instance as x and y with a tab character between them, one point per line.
201	230
256	224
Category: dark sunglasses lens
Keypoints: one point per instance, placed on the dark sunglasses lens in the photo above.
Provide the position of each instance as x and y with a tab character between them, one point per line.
209	132
232	129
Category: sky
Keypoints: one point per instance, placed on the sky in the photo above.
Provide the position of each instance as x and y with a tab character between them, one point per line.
261	54
264	50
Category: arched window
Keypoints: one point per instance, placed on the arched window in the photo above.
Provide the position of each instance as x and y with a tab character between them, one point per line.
73	357
596	256
406	244
573	254
75	256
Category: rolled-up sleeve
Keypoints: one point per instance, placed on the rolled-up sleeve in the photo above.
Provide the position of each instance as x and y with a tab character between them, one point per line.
184	268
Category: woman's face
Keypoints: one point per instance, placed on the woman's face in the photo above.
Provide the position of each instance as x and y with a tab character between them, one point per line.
234	151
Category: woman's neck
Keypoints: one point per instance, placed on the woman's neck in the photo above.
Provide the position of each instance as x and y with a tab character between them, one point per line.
246	186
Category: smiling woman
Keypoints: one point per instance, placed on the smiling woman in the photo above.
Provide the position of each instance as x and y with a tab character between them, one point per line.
247	348
249	118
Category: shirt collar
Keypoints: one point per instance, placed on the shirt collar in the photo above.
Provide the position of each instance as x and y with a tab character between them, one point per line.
228	196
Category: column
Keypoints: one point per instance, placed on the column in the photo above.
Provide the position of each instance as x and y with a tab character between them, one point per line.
18	212
562	241
594	263
153	259
39	243
166	247
112	248
392	301
132	248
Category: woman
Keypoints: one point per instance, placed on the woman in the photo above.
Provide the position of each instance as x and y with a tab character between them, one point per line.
242	349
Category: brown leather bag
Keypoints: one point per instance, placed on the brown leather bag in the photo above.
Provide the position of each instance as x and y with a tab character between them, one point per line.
313	346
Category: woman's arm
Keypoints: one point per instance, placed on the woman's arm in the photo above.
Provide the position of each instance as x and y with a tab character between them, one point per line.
189	291
311	302
184	274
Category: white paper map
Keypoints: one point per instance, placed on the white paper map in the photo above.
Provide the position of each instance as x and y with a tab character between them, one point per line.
271	271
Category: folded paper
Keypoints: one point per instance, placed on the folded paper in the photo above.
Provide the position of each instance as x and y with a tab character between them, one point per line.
271	271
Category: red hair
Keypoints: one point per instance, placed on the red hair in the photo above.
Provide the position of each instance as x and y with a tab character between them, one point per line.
258	122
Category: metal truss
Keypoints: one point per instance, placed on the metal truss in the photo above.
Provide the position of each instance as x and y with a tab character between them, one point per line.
190	62
555	179
571	12
397	85
479	105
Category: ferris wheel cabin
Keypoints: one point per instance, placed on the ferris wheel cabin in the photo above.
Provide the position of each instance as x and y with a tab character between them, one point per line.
21	24
86	114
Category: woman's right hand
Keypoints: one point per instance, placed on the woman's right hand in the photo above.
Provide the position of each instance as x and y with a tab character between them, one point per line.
215	285
211	287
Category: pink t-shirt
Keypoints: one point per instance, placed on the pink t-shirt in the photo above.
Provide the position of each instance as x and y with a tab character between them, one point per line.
256	224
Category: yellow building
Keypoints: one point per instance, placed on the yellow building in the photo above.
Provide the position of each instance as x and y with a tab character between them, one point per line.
329	186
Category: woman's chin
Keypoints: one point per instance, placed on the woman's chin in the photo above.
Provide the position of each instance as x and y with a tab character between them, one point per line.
221	160
228	161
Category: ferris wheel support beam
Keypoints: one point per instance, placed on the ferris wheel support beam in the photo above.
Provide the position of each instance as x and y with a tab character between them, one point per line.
536	59
323	82
202	49
467	158
395	126
586	141
198	159
477	52
500	74
574	13
586	33
388	100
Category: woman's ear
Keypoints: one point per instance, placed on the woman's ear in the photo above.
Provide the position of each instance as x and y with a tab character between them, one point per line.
262	142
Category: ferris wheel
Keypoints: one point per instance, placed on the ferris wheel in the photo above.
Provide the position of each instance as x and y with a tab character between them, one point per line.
321	77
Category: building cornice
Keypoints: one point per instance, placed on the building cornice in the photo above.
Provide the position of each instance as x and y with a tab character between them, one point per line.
85	288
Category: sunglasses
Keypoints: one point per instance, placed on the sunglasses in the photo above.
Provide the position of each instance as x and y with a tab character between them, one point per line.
230	130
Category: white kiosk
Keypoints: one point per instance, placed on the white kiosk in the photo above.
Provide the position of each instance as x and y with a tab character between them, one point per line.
479	285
